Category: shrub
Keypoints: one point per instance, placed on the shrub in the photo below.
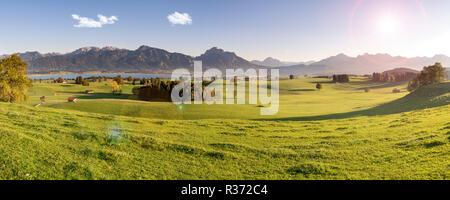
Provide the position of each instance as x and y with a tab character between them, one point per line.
84	83
292	76
60	80
366	90
319	86
396	90
135	90
119	80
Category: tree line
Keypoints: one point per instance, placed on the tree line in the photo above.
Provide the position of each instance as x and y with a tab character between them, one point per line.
398	77
156	89
341	78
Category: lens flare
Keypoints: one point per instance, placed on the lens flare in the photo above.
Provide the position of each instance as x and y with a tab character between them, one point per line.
385	23
115	132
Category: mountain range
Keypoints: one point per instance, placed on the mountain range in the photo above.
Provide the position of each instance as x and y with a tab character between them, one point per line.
147	59
273	62
363	64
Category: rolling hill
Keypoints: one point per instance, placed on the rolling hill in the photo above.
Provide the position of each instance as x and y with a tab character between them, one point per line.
397	71
406	143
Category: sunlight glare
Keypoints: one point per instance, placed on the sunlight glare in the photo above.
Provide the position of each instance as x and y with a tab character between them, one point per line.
388	24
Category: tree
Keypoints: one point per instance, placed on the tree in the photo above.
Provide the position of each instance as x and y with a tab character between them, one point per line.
130	79
60	80
319	86
13	82
394	77
343	78
116	89
157	90
119	80
142	81
429	75
292	76
84	83
79	80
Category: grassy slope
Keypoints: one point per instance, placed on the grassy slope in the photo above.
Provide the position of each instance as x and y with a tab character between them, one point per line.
48	143
297	98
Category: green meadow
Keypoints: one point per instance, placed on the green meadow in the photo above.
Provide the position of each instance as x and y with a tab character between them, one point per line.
338	132
297	98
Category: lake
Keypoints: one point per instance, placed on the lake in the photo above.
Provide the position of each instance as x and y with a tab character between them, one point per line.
74	76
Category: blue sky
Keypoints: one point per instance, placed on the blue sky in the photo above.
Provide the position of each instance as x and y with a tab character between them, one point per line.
290	30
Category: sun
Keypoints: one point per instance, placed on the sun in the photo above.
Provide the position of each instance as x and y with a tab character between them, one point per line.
388	24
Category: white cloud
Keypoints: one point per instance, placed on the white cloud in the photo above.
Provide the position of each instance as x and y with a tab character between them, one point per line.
179	18
84	22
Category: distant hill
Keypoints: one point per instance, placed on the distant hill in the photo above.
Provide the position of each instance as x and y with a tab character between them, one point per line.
363	64
31	55
272	62
397	71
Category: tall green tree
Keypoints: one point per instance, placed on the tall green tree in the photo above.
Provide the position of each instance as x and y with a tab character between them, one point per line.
13	82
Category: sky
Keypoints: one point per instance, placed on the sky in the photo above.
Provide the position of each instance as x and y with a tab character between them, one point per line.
289	30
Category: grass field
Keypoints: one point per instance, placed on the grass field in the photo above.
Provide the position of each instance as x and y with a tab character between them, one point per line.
297	98
339	132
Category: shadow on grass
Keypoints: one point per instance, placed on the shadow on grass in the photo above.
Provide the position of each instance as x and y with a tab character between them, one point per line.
423	98
67	85
323	82
377	85
302	90
83	95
